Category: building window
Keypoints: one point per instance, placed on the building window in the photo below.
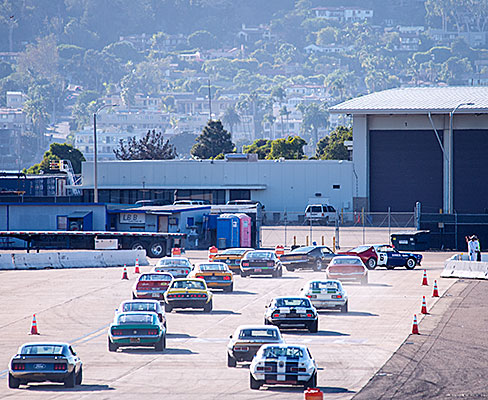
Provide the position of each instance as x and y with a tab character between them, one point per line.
336	186
240	194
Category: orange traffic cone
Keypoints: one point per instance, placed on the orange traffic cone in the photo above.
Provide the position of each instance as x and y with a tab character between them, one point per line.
124	275
424	280
424	306
34	330
415	327
137	271
436	292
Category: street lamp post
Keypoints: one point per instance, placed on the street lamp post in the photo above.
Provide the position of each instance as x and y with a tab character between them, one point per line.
450	183
95	151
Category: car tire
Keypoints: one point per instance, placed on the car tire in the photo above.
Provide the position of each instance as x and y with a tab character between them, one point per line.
253	383
112	346
317	266
229	288
312	382
411	263
390	267
134	297
70	380
13	383
314	326
168	307
160	345
231	361
266	322
290	269
371	263
79	376
208	307
243	274
345	307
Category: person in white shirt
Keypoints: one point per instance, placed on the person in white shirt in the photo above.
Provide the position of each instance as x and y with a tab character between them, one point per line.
471	248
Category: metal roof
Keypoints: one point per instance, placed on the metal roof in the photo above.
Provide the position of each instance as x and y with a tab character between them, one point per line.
416	100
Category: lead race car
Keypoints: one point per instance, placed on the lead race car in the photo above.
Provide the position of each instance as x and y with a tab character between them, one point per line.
384	255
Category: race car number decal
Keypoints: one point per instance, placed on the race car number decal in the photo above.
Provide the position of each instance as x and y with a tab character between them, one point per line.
382	258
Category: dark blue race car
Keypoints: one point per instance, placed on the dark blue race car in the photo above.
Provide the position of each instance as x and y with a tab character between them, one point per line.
390	257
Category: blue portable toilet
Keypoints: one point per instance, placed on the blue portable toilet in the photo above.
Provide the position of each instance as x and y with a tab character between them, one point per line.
228	231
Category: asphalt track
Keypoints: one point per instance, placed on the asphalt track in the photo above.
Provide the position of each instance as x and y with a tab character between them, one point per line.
77	306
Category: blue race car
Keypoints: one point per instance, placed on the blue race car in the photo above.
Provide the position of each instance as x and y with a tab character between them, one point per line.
390	257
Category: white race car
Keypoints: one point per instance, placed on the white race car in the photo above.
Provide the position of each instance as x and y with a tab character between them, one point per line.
326	293
283	364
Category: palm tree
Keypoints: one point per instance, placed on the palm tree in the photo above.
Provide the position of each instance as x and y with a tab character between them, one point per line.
270	119
231	117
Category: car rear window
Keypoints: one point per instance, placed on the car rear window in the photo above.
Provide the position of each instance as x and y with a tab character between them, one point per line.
360	249
137	306
258	334
213	267
156	277
170	262
135	319
188	285
346	261
324	285
304	249
259	255
315	209
288	352
41	349
236	252
292	303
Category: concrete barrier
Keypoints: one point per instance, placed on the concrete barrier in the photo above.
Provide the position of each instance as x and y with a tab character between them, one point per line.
73	259
458	266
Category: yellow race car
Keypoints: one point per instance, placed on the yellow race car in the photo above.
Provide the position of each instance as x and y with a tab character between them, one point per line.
188	293
217	275
232	257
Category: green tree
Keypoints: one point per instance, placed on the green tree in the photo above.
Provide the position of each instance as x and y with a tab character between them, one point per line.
213	141
290	148
326	36
183	142
315	117
202	40
35	110
58	151
230	117
150	147
261	147
332	147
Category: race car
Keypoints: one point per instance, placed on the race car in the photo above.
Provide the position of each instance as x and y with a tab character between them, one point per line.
179	267
385	255
325	293
136	329
313	257
292	312
283	364
143	306
151	286
188	293
232	257
261	262
45	362
216	274
347	268
246	341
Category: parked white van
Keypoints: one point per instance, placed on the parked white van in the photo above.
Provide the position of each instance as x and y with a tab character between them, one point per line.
320	213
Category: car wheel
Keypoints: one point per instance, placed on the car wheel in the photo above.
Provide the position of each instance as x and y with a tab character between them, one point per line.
243	274
390	267
411	263
280	274
345	307
314	326
208	306
229	288
112	346
253	383
70	380
160	345
168	307
371	264
290	269
156	250
134	297
312	382
266	322
231	361
13	383
79	376
317	266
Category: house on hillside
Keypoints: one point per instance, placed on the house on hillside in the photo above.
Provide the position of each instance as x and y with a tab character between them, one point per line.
344	14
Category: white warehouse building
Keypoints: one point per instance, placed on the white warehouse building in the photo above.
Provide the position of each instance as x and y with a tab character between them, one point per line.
284	185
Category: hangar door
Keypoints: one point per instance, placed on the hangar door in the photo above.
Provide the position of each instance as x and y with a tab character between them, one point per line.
405	167
470	167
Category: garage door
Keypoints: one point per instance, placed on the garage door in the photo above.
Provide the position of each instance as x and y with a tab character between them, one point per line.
405	167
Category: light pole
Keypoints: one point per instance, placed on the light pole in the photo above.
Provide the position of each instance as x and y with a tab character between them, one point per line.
450	183
95	150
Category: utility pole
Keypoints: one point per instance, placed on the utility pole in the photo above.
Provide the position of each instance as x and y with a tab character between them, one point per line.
209	102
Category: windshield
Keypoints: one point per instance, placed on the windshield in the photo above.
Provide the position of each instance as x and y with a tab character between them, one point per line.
359	249
41	349
136	306
265	334
346	261
213	267
135	319
188	285
260	255
235	252
325	285
292	303
155	277
173	262
302	249
288	352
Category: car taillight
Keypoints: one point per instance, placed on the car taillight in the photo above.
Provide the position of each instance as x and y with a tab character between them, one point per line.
309	315
337	296
117	332
309	296
60	367
276	315
199	276
226	278
263	368
245	264
241	348
270	263
296	369
152	331
18	367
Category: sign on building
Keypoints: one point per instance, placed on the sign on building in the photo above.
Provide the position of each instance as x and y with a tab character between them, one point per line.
132	218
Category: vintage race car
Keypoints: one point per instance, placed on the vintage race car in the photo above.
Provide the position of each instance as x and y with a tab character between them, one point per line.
261	262
283	364
325	293
347	268
45	362
292	312
216	274
136	329
188	293
313	257
367	254
143	306
247	340
390	257
179	267
151	286
232	257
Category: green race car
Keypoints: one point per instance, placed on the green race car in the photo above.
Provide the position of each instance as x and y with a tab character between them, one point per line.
131	329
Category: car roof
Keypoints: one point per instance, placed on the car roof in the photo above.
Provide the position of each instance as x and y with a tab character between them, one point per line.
188	279
346	256
291	297
284	345
136	313
241	327
324	280
141	301
174	258
45	344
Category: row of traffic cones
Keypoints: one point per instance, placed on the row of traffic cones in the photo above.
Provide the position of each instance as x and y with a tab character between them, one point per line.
125	276
423	310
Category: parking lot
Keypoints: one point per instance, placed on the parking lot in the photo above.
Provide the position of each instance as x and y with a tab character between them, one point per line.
78	305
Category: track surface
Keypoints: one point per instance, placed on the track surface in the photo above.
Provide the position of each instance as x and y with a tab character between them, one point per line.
78	305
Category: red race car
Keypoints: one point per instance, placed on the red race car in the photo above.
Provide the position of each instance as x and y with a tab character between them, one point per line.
367	254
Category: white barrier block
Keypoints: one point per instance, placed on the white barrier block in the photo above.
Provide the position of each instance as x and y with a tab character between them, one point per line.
81	259
35	260
464	269
114	258
6	261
